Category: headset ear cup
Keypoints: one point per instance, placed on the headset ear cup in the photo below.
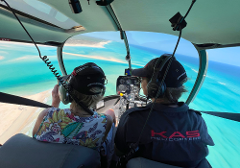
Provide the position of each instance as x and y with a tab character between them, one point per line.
64	95
153	89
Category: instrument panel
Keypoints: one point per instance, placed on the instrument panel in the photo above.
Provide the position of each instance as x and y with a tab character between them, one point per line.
126	84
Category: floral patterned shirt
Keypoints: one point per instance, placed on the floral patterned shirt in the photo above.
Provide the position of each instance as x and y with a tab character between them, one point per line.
62	126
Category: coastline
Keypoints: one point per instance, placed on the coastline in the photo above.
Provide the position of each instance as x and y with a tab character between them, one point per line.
20	119
97	57
87	44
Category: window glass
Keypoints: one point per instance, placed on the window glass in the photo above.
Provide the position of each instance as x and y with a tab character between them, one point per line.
145	46
220	90
224	132
106	49
23	73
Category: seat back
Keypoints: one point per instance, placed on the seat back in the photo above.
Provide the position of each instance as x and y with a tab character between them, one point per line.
146	163
25	152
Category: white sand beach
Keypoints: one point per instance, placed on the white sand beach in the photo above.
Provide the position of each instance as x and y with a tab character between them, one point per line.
20	119
110	59
89	44
98	57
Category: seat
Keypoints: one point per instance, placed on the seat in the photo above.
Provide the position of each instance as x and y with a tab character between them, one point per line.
22	151
146	163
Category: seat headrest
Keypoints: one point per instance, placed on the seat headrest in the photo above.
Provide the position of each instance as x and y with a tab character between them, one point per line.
25	152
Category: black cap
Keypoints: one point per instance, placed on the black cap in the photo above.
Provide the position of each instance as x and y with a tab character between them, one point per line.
86	78
175	75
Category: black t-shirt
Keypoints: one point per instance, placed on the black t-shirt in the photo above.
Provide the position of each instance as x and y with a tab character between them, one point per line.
176	136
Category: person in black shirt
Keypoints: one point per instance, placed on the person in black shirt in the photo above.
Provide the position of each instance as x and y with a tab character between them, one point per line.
174	134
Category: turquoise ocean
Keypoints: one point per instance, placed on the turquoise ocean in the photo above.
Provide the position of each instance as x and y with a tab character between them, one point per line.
23	73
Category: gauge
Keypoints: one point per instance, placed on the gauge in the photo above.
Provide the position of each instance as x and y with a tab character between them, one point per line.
136	82
122	81
135	89
128	81
121	88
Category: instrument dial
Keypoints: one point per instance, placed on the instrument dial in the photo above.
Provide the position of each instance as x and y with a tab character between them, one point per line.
128	81
122	81
122	88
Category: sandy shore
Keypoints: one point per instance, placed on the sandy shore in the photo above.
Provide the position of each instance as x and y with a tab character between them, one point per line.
20	119
89	44
97	57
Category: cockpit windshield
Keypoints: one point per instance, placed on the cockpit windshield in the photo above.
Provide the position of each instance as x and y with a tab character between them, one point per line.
221	85
109	51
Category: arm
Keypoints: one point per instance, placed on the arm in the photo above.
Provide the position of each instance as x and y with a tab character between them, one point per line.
206	138
39	120
55	103
55	97
108	127
110	120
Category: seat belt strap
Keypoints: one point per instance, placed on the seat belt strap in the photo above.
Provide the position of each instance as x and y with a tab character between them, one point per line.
230	116
12	99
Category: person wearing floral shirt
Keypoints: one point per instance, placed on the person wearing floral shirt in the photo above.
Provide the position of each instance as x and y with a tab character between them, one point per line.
75	125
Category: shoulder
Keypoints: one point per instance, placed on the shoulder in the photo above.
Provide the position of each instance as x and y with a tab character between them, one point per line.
133	111
125	120
202	128
196	116
99	115
44	112
103	118
195	111
56	114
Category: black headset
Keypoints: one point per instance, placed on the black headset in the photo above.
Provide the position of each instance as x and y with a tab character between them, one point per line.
65	92
154	83
66	97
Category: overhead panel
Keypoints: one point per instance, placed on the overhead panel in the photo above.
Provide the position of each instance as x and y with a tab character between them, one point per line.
42	11
214	21
41	32
92	17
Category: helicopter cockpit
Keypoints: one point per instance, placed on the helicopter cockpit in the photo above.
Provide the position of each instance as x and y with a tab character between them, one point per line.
119	36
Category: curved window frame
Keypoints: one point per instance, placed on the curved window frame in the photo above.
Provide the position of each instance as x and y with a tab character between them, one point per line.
203	65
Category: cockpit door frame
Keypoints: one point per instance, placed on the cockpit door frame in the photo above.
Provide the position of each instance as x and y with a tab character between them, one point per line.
203	66
60	59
